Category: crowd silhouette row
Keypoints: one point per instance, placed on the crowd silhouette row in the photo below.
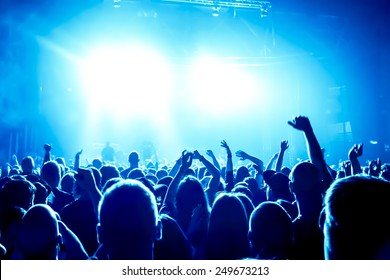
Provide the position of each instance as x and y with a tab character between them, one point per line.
197	208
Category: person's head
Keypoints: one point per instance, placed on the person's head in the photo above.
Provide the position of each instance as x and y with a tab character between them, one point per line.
270	231
286	171
10	217
242	173
189	195
67	182
109	183
134	159
165	180
174	244
38	235
28	165
228	229
41	193
136	173
243	188
305	179
128	221
18	193
357	217
97	163
161	173
51	174
278	186
108	172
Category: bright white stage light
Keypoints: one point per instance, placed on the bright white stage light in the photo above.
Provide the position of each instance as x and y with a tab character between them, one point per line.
221	88
125	81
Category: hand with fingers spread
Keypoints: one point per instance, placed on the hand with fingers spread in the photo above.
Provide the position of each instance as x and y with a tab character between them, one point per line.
226	147
242	155
284	145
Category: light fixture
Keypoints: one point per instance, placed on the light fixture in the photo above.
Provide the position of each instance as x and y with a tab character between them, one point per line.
116	3
264	9
216	9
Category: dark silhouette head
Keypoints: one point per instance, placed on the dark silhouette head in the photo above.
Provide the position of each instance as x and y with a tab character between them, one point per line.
270	231
242	173
128	221
51	174
38	236
108	172
357	219
18	193
134	159
228	229
174	244
28	165
67	182
189	195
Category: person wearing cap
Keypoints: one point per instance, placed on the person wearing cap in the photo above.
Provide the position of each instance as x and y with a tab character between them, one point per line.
278	190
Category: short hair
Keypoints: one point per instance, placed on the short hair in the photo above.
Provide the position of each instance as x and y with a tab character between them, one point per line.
270	227
18	193
38	234
357	215
306	178
134	157
51	173
27	164
128	213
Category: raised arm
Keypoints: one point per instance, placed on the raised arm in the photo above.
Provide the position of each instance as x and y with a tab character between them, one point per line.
354	153
279	161
85	179
257	162
47	155
271	161
229	176
215	161
215	176
175	167
302	123
244	156
185	162
77	160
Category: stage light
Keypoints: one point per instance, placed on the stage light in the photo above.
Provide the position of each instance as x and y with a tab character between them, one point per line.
125	81
220	88
116	3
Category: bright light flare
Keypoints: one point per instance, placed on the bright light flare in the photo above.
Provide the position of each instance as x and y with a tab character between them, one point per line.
221	88
125	81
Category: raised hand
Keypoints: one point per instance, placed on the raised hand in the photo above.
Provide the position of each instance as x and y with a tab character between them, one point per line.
210	153
186	160
347	166
301	123
242	155
78	154
47	147
196	155
375	167
226	146
284	145
356	151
